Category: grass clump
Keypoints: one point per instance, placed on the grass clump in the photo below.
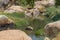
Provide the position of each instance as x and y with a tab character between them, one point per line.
39	32
18	18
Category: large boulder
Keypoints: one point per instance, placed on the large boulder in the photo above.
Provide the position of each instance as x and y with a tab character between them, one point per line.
3	19
4	4
52	29
14	35
5	22
57	37
51	2
45	3
38	3
14	8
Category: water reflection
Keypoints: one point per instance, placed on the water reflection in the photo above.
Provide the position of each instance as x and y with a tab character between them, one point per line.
34	37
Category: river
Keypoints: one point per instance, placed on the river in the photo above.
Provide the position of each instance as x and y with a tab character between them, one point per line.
32	34
34	37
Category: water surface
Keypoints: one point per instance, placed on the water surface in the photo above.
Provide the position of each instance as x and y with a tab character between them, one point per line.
34	37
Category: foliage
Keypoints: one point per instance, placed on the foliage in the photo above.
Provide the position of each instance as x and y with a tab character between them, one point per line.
53	15
26	2
22	2
39	32
30	2
51	12
19	19
37	23
57	2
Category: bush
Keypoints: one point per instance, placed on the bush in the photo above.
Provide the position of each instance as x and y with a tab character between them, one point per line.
57	2
21	23
26	2
51	12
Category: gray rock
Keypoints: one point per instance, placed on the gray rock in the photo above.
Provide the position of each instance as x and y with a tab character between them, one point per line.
14	8
52	29
32	13
6	23
29	28
3	3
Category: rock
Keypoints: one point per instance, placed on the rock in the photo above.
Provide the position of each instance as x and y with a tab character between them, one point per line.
57	37
35	12
14	8
6	23
40	7
45	3
3	2
29	28
9	11
51	29
3	19
28	14
6	3
32	13
46	38
51	2
38	3
14	35
10	24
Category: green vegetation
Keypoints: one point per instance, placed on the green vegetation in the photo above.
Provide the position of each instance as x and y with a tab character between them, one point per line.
57	2
19	19
26	3
39	32
52	14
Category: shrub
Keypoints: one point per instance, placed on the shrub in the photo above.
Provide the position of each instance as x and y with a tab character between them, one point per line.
57	2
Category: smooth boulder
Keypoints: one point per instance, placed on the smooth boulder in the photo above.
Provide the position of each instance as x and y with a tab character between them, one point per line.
6	22
14	35
52	29
14	8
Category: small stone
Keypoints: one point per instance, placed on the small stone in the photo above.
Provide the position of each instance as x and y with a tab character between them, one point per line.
29	28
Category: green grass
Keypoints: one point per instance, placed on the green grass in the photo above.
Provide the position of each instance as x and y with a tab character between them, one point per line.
38	24
18	18
40	32
21	22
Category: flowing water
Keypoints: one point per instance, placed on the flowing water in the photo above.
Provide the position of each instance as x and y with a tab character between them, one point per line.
34	37
32	34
